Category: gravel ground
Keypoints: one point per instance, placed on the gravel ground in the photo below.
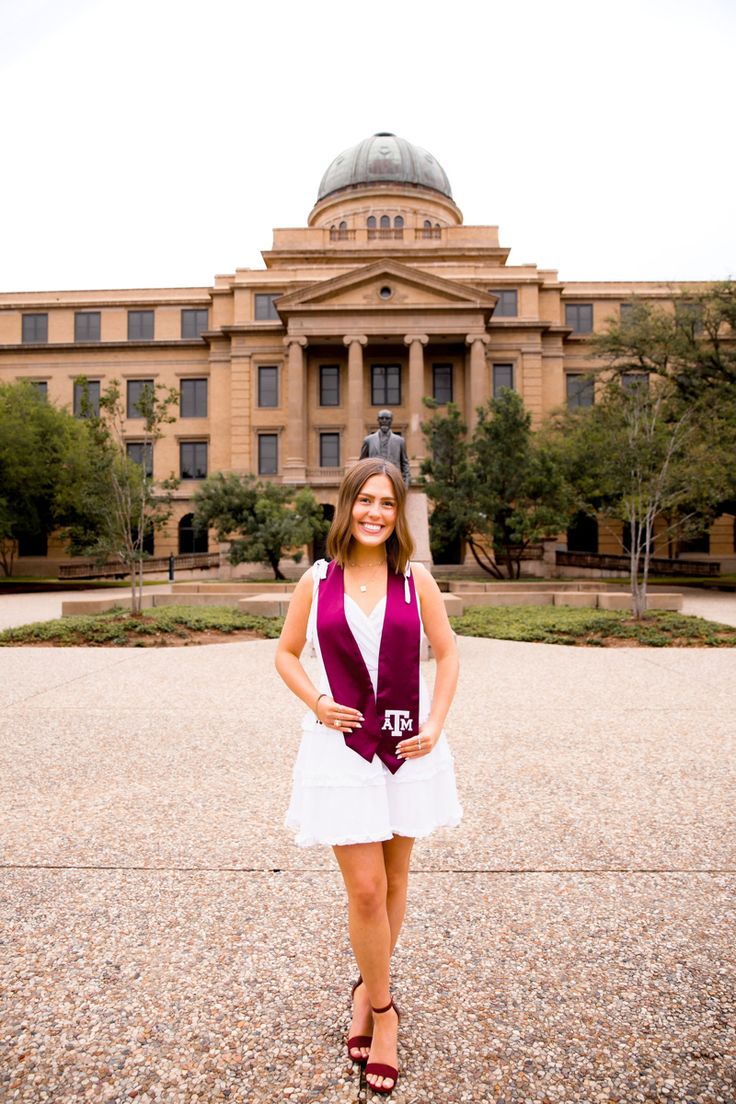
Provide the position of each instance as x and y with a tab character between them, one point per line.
164	940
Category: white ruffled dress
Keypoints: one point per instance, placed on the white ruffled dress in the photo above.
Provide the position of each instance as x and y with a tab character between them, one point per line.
340	798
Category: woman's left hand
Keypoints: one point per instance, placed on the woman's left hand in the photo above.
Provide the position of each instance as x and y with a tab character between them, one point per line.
421	744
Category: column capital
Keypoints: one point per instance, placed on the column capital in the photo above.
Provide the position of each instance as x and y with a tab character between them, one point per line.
483	338
409	339
290	339
350	338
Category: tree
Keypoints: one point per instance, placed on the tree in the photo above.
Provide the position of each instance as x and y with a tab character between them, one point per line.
448	479
114	501
643	453
262	520
500	492
36	442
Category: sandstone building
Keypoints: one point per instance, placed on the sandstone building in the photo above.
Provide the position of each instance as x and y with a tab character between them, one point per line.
385	296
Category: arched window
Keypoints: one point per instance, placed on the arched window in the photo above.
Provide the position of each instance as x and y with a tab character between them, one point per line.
427	224
191	539
399	223
385	222
343	225
147	539
371	223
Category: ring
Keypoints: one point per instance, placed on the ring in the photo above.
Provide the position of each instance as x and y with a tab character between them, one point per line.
337	724
419	744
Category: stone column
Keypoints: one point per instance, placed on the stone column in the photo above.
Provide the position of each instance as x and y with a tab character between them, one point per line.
355	427
414	437
295	465
477	389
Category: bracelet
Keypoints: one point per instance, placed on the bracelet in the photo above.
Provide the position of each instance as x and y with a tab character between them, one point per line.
317	703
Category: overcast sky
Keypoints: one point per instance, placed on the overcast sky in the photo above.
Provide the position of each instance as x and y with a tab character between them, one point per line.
152	143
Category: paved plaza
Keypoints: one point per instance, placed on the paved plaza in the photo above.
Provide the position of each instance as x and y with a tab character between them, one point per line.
164	940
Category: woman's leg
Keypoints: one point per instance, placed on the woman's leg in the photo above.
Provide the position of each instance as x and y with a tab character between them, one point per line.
397	855
364	872
375	877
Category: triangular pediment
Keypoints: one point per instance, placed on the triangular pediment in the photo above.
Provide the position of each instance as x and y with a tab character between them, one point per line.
385	286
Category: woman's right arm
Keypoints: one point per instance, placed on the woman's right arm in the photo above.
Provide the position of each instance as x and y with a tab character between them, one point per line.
293	637
292	640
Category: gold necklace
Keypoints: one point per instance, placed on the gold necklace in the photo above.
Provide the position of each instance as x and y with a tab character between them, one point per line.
363	587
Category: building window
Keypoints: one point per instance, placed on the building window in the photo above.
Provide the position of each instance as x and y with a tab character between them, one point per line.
329	385
141	452
87	326
140	325
580	390
442	383
265	308
35	328
193	322
268	385
86	399
582	536
41	387
635	381
193	459
386	385
268	454
625	310
689	316
385	222
503	376
139	391
329	450
33	544
398	223
508	302
193	398
147	545
579	316
192	540
371	222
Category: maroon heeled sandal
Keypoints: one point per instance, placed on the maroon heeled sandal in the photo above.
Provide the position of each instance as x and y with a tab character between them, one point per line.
380	1069
358	1040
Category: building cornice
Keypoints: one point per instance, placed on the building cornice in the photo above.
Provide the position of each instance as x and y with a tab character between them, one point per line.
95	346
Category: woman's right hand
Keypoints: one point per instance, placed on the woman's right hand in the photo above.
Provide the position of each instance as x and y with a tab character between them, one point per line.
341	717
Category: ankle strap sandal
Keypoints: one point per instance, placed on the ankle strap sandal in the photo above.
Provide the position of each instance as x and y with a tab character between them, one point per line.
380	1069
356	1041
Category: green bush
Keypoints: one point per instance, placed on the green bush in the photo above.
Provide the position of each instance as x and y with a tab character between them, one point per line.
118	627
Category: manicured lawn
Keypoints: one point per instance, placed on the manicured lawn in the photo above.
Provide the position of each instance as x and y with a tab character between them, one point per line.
177	625
593	627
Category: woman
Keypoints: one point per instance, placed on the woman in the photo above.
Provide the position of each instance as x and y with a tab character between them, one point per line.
374	770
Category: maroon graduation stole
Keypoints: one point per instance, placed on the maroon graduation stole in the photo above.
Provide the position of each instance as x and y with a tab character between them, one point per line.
392	713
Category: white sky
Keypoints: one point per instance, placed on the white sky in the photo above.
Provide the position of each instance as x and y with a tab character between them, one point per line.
156	143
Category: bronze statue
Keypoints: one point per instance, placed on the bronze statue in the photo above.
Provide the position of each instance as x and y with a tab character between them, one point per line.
390	446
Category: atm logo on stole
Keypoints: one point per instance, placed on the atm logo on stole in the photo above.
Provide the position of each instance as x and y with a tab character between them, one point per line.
398	721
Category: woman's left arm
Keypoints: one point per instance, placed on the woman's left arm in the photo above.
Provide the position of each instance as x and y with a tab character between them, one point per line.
442	641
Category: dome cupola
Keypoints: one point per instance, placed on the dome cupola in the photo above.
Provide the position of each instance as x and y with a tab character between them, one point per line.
384	159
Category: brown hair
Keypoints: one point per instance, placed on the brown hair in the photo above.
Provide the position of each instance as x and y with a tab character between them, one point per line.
399	546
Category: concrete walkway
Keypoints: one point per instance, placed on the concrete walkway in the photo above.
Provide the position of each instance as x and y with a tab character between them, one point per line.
164	940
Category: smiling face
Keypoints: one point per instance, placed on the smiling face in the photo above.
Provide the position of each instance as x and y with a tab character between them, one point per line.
374	512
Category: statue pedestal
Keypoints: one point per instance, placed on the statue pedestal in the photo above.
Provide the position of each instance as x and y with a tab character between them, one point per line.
417	515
